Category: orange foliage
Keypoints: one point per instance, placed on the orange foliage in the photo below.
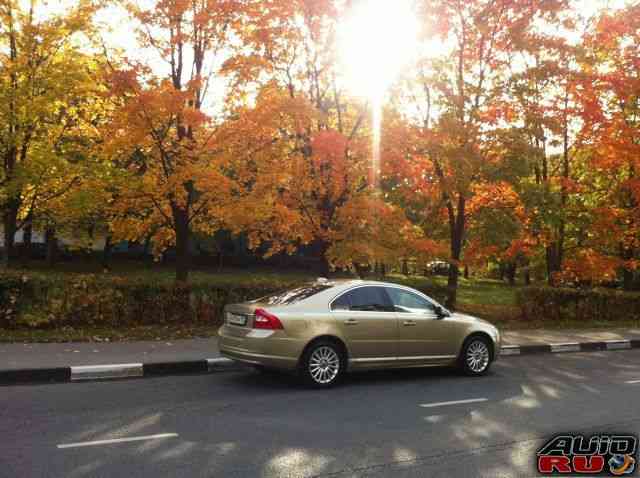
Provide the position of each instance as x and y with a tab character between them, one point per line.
588	266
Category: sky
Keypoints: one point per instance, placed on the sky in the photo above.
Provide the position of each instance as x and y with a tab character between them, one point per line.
119	32
114	17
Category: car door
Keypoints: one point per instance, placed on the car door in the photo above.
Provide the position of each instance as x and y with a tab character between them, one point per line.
368	323
422	335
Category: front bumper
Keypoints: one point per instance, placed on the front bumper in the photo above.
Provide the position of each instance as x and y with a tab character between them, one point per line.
497	346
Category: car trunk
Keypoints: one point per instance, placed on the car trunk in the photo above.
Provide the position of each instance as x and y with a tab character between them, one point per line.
239	318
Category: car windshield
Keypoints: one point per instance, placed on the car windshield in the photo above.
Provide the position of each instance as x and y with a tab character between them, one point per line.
291	296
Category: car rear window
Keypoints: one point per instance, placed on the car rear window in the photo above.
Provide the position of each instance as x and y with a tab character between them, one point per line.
291	296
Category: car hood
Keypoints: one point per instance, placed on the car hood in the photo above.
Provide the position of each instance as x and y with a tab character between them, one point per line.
468	318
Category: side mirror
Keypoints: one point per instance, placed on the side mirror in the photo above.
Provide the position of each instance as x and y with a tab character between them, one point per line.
441	313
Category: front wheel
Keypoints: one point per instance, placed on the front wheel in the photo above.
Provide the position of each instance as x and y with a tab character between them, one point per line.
322	364
475	358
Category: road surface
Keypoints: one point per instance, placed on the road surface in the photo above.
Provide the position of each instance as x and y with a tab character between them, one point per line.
412	423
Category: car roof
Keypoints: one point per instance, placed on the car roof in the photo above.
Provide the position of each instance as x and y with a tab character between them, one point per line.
358	282
339	285
334	288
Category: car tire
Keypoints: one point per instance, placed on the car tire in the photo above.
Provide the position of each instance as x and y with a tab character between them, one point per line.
323	364
476	356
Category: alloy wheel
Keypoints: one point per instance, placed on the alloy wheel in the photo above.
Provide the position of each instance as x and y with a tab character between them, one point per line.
477	356
324	365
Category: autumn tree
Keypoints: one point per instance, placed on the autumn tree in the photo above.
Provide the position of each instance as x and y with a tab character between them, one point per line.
609	142
545	99
461	96
45	82
178	183
302	149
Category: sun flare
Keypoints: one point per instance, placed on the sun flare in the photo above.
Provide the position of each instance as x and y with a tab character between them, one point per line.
376	40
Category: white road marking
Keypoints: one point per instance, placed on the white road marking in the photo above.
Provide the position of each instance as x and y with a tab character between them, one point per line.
118	440
456	402
632	381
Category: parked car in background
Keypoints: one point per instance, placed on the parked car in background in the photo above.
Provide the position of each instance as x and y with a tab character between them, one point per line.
440	268
326	328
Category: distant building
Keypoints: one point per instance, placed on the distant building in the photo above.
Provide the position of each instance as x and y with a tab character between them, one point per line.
37	237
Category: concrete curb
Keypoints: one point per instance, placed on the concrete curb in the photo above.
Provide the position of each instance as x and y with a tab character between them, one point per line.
570	347
117	371
220	364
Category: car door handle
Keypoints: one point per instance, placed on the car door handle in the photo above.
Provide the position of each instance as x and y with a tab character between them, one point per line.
351	322
409	323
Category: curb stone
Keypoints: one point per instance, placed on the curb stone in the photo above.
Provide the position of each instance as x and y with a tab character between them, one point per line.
117	371
570	347
221	364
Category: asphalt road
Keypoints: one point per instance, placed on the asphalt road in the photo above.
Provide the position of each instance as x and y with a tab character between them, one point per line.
245	424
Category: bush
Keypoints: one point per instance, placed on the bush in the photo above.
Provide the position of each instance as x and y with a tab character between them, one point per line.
549	303
40	301
46	301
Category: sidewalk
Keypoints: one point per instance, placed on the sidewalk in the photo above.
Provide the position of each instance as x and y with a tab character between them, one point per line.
24	356
80	361
544	337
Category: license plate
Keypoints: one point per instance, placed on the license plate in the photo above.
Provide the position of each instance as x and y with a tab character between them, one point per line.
236	319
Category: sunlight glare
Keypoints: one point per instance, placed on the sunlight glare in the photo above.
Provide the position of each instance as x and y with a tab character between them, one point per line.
375	41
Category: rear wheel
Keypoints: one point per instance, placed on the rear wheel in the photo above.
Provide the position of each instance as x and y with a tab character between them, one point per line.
475	357
322	364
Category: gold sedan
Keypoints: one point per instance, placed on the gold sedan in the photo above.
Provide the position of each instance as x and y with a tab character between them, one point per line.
328	327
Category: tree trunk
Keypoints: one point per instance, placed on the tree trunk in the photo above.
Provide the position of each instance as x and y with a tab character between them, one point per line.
106	254
555	251
452	286
361	271
10	220
320	248
52	246
466	272
527	277
457	227
554	261
146	249
405	267
27	239
454	275
626	254
511	273
183	236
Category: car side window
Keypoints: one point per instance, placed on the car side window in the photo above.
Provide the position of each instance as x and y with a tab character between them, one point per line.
341	303
364	299
408	302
